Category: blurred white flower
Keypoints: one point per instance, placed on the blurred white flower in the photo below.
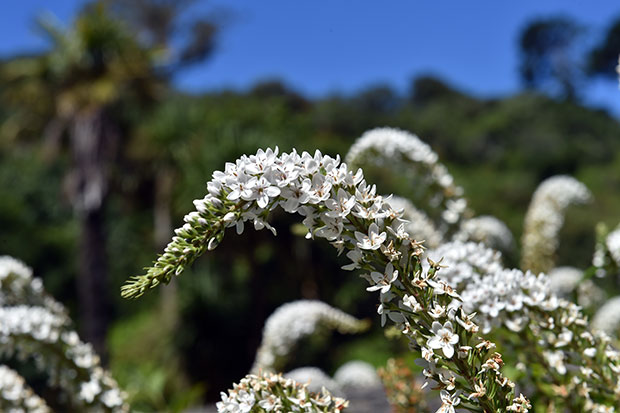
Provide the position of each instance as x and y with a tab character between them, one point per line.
357	374
316	379
607	318
544	219
17	396
291	322
488	230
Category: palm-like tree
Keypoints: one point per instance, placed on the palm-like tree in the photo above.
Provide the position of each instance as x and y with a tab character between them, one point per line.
78	90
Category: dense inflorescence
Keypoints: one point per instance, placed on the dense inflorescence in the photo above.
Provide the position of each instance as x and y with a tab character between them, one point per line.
357	374
339	206
33	325
16	396
607	318
606	258
316	379
569	282
418	225
293	321
465	261
274	393
564	280
612	242
544	219
488	230
399	150
582	365
19	287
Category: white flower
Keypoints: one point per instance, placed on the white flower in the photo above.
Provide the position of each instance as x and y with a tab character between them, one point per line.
399	150
21	398
556	360
373	240
417	224
356	257
486	229
241	187
613	245
293	321
448	401
544	219
357	374
19	287
316	379
383	282
228	404
589	352
444	338
411	303
441	287
395	316
563	280
246	400
331	230
35	331
262	192
607	318
341	206
89	390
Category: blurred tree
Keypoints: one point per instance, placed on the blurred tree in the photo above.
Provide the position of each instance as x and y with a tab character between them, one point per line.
277	89
603	58
170	25
548	56
185	37
90	72
380	99
425	89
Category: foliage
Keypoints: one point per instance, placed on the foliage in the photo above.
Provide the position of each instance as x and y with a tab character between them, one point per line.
548	57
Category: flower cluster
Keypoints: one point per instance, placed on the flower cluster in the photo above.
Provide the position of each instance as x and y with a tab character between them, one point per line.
544	219
564	280
293	321
488	230
316	379
34	325
418	224
394	148
341	207
567	281
606	257
552	330
357	374
17	396
465	262
273	393
613	245
73	365
403	388
18	286
607	318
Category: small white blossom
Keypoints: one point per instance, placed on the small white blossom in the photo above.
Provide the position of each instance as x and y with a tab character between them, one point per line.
444	338
372	240
448	402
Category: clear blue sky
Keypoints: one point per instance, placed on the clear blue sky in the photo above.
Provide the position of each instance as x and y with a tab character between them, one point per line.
323	46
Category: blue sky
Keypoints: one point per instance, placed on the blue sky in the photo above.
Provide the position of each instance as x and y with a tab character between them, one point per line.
325	46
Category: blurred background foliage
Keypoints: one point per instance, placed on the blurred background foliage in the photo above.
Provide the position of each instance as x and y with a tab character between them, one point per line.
96	117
